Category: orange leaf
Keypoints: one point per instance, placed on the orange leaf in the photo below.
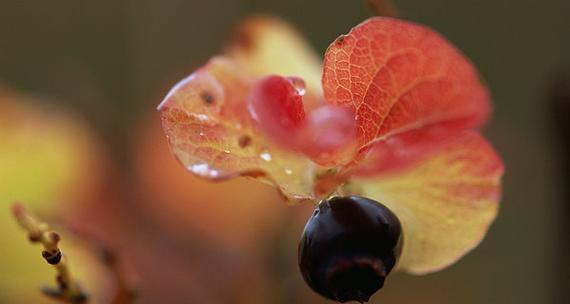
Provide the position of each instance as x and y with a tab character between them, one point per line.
445	203
212	133
401	77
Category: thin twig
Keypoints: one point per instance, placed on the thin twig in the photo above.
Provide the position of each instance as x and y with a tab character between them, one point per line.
382	8
68	290
124	292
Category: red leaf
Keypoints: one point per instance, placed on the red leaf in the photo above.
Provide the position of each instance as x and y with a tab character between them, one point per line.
277	104
329	137
325	134
400	77
406	149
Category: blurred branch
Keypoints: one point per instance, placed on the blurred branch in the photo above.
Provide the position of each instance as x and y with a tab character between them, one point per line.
382	8
560	111
124	293
68	290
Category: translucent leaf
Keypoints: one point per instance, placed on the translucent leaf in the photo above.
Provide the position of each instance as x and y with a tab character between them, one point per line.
400	77
267	45
445	203
237	213
325	133
212	133
278	107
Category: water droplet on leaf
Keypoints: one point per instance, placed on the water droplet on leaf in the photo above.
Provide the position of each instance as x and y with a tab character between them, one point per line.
298	83
203	170
265	156
203	117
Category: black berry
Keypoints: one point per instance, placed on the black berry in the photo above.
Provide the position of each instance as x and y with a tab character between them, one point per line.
349	246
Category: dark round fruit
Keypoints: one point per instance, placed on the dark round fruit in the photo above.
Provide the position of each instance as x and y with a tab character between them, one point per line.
349	246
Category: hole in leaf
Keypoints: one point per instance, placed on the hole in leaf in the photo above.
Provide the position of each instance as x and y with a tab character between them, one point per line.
207	97
244	141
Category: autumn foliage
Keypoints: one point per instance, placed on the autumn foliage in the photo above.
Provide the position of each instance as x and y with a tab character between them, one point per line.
395	119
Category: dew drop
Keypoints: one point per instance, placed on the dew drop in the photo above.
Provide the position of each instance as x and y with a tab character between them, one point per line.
203	170
203	117
288	171
244	141
298	83
265	156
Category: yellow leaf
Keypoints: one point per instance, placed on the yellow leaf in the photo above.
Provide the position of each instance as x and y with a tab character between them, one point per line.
445	204
267	45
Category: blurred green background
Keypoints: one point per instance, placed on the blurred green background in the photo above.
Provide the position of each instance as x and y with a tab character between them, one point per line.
113	60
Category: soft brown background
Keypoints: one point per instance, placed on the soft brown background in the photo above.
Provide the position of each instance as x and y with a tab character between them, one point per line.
113	60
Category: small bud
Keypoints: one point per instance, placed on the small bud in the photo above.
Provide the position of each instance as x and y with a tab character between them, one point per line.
54	236
52	258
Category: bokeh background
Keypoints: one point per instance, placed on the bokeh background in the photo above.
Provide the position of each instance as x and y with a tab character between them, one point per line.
80	143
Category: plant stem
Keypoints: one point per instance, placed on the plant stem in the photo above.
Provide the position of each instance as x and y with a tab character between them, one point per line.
38	232
382	8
